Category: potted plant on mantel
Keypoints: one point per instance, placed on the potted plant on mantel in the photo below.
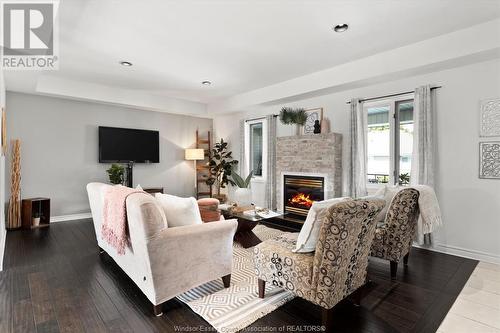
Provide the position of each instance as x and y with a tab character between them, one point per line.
221	165
290	116
243	194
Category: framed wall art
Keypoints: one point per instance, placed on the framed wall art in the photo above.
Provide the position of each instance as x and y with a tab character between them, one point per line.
489	160
489	117
312	116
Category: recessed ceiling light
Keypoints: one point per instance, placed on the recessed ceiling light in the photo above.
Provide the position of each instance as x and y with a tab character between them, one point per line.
341	27
126	63
206	83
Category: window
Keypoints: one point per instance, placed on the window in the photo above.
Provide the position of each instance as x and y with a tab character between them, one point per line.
256	148
390	141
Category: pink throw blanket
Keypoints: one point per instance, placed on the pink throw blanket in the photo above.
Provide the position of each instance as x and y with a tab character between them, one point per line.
114	228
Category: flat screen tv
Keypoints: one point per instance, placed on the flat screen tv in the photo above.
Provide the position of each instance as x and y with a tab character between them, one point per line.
123	145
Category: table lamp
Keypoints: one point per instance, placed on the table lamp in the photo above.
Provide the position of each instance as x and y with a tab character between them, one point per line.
194	154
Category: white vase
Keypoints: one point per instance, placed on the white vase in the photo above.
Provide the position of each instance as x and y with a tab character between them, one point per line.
243	196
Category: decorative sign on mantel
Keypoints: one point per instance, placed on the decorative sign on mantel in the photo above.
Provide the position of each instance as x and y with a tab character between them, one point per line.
489	123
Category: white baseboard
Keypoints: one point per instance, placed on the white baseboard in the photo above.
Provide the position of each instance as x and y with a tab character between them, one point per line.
71	217
462	252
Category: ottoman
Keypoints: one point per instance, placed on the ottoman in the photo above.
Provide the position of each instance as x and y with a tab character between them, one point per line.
209	209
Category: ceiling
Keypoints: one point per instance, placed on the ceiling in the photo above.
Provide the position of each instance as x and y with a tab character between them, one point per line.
238	45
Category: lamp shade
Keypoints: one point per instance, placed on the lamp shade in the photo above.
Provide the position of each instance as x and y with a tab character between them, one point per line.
193	154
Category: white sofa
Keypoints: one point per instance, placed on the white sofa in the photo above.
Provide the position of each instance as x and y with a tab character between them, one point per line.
165	262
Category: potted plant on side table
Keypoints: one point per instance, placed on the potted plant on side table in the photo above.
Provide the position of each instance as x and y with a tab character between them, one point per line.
243	194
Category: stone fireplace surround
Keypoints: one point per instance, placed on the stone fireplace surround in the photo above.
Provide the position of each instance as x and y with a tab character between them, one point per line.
317	155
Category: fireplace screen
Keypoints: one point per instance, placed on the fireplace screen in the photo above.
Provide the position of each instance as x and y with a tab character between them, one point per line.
300	192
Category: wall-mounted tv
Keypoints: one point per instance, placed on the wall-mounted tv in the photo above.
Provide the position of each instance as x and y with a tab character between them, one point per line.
123	145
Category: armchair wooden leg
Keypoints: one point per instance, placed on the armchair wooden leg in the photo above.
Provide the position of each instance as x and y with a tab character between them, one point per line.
226	280
262	288
327	319
157	310
394	269
405	258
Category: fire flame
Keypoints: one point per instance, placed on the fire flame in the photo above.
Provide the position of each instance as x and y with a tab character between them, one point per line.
302	200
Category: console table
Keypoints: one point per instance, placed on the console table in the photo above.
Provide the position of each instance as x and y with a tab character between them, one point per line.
153	190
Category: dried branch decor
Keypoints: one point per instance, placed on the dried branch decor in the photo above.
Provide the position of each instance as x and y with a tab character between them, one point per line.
14	220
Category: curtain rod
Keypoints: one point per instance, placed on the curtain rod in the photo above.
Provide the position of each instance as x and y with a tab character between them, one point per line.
391	95
274	115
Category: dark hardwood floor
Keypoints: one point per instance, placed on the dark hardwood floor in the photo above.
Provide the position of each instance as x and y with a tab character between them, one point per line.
55	281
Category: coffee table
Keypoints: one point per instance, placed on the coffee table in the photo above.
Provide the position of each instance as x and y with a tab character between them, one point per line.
244	234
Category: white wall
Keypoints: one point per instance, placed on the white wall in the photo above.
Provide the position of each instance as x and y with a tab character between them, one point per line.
59	148
2	179
470	206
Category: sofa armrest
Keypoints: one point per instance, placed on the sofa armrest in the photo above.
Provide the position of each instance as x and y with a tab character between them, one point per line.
184	257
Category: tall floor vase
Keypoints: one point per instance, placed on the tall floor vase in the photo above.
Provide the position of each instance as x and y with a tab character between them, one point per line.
14	220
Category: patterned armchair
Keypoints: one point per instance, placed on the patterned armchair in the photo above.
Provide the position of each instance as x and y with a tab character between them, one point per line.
394	237
338	266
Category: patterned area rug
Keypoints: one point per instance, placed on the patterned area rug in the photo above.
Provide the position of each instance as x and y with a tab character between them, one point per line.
234	308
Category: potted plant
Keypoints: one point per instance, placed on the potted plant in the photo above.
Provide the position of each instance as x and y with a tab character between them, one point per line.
116	172
36	219
404	179
289	116
221	167
243	194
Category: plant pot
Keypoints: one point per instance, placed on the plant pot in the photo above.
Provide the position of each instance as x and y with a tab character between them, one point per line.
221	197
243	196
36	221
297	129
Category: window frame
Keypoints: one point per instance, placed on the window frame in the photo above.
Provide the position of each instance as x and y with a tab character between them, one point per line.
246	168
394	146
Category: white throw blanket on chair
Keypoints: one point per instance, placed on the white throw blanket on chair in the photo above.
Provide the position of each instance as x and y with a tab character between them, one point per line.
429	217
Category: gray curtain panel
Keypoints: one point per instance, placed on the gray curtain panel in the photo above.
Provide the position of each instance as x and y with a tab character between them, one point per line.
271	162
422	162
241	161
356	171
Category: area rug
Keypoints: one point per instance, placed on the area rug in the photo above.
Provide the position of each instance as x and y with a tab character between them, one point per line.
234	308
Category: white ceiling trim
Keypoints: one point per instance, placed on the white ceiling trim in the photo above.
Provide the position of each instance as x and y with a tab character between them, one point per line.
85	91
477	43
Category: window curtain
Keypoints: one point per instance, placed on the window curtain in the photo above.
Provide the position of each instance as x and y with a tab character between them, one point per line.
241	161
422	161
271	163
356	179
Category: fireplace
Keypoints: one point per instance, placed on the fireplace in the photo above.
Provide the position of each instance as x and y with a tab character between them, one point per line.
299	192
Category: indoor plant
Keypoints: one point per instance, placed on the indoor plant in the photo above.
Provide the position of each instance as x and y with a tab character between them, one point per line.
243	194
221	166
116	172
289	116
36	219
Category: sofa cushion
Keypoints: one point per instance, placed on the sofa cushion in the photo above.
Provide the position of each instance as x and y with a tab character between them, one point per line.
309	233
145	208
179	211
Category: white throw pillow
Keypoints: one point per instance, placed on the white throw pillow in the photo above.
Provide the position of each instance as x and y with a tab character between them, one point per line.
387	193
309	233
179	211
